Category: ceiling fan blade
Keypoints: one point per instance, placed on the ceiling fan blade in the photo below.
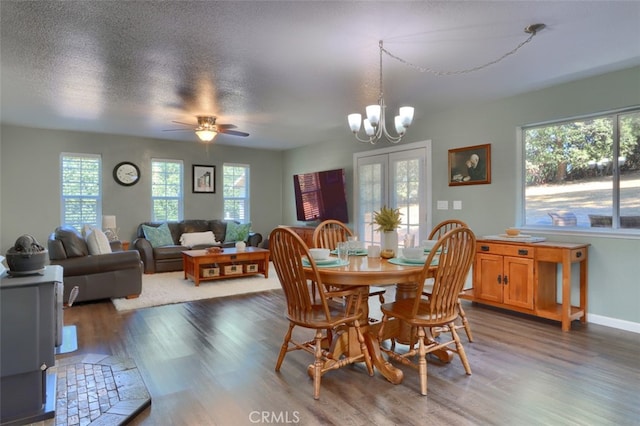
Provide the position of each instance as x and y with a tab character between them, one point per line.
226	126
184	124
177	130
233	132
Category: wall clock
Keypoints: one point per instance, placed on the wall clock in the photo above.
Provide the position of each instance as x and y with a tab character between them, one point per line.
126	173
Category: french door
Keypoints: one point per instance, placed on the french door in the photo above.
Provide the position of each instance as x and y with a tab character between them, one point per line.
397	177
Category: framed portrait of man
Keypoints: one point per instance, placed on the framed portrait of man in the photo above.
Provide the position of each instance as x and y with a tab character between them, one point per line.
470	165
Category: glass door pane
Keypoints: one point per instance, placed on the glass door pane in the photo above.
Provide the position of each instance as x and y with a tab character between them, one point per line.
396	179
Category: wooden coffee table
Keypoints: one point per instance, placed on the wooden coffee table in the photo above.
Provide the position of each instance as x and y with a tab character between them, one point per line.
200	265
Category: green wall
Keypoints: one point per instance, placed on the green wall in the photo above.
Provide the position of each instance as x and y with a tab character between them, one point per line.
30	160
29	177
614	263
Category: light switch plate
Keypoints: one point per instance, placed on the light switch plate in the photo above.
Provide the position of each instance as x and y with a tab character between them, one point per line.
457	205
442	205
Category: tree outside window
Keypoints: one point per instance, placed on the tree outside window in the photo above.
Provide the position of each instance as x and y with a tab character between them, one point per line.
166	190
584	173
236	192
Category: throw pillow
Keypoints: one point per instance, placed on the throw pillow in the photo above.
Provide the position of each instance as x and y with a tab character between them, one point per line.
98	242
237	232
190	239
158	237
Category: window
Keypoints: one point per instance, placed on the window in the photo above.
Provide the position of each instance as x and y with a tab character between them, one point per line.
584	173
166	190
236	192
81	189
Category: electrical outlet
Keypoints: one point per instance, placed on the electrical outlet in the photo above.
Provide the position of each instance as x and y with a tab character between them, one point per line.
457	205
442	205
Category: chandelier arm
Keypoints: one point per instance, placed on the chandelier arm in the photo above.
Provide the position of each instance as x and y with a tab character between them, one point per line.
464	71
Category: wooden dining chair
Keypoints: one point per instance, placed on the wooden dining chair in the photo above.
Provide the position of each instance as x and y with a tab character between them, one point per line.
438	231
319	314
455	251
443	227
331	232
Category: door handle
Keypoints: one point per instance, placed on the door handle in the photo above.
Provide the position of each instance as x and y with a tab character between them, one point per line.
506	280
499	279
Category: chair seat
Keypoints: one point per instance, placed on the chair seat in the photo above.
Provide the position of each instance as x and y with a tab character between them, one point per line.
317	317
401	309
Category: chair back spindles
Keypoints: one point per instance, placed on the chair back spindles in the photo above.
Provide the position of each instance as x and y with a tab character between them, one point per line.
329	233
287	251
443	227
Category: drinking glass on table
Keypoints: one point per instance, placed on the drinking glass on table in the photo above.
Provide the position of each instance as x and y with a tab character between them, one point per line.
352	244
343	251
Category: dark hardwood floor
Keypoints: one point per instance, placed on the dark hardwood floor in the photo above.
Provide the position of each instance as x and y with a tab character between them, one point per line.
211	362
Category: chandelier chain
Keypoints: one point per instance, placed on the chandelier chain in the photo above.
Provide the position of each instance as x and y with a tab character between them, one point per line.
445	73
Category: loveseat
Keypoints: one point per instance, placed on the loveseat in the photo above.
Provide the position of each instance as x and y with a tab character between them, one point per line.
113	273
166	256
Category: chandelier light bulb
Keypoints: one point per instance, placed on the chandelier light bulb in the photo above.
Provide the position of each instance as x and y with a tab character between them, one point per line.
368	128
406	113
373	114
355	121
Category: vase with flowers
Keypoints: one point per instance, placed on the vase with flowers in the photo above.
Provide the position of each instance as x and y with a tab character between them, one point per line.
388	220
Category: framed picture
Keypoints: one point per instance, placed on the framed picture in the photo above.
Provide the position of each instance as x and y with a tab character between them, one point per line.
470	165
204	179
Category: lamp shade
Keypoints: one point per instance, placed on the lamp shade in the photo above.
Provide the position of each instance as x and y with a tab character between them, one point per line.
108	222
354	122
373	114
406	114
206	135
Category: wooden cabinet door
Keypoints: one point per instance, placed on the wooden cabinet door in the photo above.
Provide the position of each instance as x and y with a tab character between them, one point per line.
518	282
487	280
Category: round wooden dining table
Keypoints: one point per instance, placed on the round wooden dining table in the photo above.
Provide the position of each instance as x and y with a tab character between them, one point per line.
366	271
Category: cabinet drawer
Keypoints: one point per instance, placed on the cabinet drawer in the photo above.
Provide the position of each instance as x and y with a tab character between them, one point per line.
578	254
505	249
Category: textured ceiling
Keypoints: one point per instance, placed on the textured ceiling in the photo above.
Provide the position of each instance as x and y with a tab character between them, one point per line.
286	72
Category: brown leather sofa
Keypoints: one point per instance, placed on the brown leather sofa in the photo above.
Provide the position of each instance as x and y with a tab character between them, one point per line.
101	276
169	258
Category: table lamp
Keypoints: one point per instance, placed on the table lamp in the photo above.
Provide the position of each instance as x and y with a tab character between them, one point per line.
109	227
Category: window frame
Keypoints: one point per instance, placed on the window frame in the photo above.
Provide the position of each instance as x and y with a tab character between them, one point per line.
180	198
98	198
625	233
246	199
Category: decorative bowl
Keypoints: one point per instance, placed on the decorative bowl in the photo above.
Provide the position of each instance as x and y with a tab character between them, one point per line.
512	232
319	253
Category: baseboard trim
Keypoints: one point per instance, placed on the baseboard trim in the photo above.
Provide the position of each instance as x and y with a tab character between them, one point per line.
634	327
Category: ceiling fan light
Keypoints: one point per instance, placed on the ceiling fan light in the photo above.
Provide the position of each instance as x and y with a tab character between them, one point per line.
406	114
206	135
373	114
354	122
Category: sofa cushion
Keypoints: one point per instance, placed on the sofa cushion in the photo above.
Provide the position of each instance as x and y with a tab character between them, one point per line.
168	252
158	237
74	244
219	228
237	231
198	238
97	242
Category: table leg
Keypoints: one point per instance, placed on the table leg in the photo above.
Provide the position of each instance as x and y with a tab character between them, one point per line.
566	291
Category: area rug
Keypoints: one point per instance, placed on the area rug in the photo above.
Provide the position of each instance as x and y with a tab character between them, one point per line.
97	389
170	287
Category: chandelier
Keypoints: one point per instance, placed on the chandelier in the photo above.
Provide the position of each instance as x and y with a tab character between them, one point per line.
375	123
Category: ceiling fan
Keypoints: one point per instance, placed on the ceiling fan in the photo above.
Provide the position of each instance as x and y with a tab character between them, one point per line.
207	128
